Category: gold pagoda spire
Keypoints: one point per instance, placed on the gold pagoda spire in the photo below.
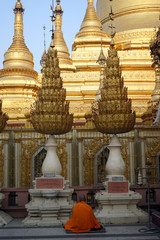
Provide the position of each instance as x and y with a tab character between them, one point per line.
90	30
91	22
60	44
18	46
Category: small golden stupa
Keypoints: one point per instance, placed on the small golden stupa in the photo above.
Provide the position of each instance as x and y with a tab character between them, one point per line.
114	114
50	112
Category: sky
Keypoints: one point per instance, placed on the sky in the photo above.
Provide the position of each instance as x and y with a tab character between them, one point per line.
37	14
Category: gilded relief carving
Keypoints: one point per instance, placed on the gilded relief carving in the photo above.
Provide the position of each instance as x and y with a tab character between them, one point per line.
125	156
90	149
153	147
27	150
62	155
128	35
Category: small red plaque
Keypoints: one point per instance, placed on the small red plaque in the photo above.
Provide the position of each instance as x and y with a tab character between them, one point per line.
117	187
49	183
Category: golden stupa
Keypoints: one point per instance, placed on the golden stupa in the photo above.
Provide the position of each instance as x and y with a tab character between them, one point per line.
18	80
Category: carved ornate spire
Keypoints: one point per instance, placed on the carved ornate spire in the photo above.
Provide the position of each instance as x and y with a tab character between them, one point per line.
50	114
25	57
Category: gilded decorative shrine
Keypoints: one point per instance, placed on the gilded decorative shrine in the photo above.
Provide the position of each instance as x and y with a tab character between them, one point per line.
114	113
50	113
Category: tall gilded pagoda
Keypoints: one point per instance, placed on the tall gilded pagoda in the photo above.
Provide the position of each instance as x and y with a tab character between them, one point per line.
18	80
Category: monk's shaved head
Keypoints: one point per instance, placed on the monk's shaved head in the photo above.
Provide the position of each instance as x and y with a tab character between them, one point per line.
82	198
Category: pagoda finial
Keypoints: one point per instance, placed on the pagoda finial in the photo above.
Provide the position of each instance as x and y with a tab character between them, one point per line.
43	58
101	59
44	28
18	7
58	16
52	18
18	44
58	9
91	1
113	32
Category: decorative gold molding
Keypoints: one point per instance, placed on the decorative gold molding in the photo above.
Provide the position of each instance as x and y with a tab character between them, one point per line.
16	71
90	149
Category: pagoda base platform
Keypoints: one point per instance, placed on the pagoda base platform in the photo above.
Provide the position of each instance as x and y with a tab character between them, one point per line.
49	207
4	217
118	205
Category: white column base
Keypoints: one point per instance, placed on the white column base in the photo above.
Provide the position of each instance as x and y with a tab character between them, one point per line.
49	207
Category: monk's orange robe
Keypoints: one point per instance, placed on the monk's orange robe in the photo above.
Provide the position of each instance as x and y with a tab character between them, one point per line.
82	219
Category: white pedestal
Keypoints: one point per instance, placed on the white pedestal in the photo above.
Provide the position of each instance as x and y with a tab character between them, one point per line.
4	217
49	207
117	204
51	203
119	208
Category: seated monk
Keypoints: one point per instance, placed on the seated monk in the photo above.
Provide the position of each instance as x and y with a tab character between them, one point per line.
83	219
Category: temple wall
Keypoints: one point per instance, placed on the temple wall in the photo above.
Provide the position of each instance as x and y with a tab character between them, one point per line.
82	152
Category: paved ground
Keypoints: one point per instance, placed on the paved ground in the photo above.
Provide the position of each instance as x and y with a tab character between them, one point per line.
16	230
